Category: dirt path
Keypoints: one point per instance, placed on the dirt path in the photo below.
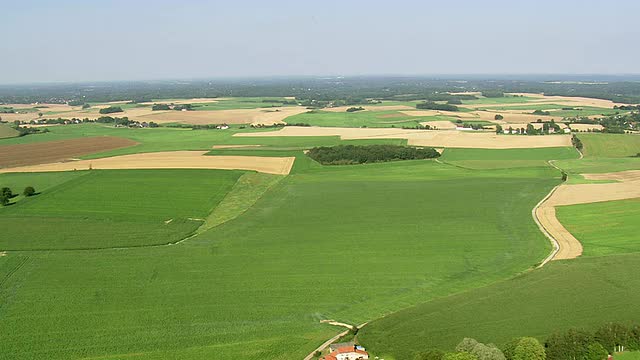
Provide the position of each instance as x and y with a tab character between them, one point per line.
333	339
565	245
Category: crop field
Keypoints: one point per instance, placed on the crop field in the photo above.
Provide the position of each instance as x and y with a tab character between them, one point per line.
610	145
7	132
45	152
505	158
227	264
103	209
620	235
230	292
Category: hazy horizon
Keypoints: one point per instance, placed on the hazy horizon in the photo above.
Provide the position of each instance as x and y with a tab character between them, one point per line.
73	41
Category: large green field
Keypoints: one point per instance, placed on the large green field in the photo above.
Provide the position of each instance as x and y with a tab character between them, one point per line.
360	119
104	209
610	145
350	243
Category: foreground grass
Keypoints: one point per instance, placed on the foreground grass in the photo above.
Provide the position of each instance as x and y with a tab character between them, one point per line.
350	243
583	293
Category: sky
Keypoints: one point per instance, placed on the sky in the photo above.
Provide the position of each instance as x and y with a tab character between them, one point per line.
97	40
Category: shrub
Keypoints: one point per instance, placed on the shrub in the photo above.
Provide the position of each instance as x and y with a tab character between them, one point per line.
354	109
498	117
430	355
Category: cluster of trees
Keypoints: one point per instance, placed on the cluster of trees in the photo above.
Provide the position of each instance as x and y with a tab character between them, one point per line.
110	110
430	105
474	126
180	107
627	107
570	344
493	93
524	348
354	109
547	126
540	112
577	143
6	194
297	124
361	154
124	121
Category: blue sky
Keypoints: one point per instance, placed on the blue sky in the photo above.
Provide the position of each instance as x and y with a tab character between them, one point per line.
46	41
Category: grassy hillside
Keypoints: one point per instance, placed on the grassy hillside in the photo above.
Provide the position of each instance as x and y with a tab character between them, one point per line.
580	293
350	243
112	208
505	158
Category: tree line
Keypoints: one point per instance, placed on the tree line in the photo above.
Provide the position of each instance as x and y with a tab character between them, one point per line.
361	154
430	105
110	110
573	344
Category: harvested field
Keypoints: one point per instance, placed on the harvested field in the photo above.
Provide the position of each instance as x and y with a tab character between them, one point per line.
461	139
440	124
513	117
52	151
586	127
169	160
235	116
571	101
391	116
629	175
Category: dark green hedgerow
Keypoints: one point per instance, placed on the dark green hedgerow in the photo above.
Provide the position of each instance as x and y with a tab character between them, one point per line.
361	154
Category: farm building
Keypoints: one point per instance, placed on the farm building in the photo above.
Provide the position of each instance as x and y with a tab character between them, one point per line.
353	352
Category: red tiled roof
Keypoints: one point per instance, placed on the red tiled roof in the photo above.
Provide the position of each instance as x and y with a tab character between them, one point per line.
350	350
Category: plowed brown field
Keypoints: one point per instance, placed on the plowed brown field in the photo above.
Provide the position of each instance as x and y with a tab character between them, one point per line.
53	151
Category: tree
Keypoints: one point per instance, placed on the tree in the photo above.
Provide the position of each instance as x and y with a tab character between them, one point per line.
499	129
459	356
531	130
467	345
39	114
86	106
5	191
29	191
528	348
612	336
596	351
572	344
498	117
429	355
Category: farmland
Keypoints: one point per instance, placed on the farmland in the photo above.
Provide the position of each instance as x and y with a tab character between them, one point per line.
178	243
7	132
243	300
601	278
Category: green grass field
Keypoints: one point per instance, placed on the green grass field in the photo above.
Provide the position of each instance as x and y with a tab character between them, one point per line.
610	145
102	209
7	131
356	119
604	228
505	158
322	243
627	356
